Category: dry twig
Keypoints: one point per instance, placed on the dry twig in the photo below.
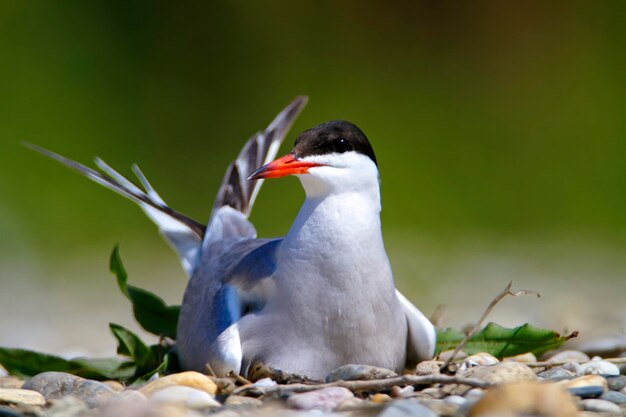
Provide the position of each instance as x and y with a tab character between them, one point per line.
468	336
356	386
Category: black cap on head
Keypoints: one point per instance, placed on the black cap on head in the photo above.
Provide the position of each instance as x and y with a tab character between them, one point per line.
336	136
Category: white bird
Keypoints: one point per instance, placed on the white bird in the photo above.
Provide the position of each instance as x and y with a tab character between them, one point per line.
319	298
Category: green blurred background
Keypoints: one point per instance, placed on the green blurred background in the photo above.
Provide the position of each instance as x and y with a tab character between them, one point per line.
499	128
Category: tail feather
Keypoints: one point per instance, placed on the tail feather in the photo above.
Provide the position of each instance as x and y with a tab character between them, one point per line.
115	181
236	191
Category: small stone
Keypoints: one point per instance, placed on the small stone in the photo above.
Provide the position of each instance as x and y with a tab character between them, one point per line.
523	358
352	405
456	400
406	408
403	392
115	386
598	367
433	392
10	382
587	392
353	372
585	381
446	354
21	397
479	359
237	400
183	395
325	399
526	398
380	398
500	373
601	406
474	394
188	379
428	368
614	397
556	374
616	383
56	385
265	382
69	407
569	356
9	412
128	404
3	372
440	407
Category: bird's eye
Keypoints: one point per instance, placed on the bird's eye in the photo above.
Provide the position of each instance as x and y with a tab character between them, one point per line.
342	145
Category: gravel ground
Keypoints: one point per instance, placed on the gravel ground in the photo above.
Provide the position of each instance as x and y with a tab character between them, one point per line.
568	383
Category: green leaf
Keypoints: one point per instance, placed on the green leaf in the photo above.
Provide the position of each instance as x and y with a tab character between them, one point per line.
503	342
150	311
129	344
26	363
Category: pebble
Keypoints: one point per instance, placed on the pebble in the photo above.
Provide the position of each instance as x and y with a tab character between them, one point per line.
9	412
69	407
597	367
474	394
21	397
601	406
614	397
56	385
189	379
445	355
587	392
128	404
526	398
616	383
380	398
433	392
10	382
358	372
440	407
569	356
556	374
240	400
406	408
523	358
479	359
585	381
183	395
500	373
428	368
403	392
325	399
115	386
456	400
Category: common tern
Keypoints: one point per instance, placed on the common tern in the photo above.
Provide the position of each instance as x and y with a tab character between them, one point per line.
319	298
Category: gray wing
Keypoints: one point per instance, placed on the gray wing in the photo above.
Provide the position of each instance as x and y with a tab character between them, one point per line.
232	279
422	336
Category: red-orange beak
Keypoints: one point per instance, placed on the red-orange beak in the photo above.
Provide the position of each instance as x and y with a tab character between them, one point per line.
286	165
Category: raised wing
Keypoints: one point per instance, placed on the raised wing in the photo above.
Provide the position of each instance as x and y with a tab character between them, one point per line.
184	234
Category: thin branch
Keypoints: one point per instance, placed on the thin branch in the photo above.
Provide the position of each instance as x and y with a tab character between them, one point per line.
240	379
477	326
371	385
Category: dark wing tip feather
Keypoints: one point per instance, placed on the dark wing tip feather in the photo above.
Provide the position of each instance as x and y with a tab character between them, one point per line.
236	190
